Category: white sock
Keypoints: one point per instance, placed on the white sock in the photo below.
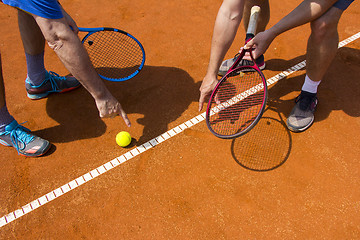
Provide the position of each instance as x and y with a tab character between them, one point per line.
310	85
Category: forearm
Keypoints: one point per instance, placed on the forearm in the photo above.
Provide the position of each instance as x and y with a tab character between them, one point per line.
226	25
307	11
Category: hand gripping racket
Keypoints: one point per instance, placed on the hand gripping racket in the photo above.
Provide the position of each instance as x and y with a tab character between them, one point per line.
116	55
239	99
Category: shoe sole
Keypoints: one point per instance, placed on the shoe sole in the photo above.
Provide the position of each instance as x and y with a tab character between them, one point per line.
296	130
38	155
4	143
29	155
44	95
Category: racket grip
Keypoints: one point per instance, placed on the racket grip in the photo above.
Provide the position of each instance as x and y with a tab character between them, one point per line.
248	37
254	15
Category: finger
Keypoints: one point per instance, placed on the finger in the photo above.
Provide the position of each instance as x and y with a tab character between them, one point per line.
126	120
123	114
108	115
201	102
249	44
256	53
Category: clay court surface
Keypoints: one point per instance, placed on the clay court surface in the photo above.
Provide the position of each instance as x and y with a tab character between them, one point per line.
191	185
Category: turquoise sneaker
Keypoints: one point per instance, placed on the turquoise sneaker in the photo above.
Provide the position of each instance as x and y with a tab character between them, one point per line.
53	83
23	140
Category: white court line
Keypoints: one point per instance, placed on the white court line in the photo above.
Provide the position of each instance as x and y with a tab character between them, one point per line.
134	152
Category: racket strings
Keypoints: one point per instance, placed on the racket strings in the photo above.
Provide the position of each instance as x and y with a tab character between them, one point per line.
113	54
238	101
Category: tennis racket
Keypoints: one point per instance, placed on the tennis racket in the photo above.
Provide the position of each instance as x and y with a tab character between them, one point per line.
239	99
115	54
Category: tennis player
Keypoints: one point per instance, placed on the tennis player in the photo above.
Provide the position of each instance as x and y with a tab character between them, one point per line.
324	16
40	21
226	25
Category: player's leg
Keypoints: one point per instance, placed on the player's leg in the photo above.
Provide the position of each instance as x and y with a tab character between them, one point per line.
321	50
262	23
322	44
14	135
39	82
68	47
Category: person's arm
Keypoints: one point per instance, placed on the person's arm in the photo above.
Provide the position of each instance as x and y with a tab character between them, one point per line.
226	25
73	55
305	12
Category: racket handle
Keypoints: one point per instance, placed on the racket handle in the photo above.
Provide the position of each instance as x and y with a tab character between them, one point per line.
254	15
248	37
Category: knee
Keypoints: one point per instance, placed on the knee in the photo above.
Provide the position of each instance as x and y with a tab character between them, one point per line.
323	27
232	10
57	36
55	43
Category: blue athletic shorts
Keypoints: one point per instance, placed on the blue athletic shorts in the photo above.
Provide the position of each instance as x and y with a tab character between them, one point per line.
343	4
43	8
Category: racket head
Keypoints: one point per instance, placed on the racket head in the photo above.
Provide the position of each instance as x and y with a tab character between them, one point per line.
237	102
115	54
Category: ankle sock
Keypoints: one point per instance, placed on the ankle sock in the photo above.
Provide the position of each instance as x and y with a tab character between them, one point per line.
5	118
35	68
310	85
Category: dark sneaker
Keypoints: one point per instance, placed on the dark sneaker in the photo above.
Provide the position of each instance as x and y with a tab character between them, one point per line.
23	140
225	65
302	115
53	83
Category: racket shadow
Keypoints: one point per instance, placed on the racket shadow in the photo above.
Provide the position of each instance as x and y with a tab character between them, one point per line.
106	71
266	147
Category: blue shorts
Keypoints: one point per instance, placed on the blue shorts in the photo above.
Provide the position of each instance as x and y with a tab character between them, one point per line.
43	8
343	4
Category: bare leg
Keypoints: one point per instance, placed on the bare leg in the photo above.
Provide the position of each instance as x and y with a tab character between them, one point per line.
321	50
264	13
322	44
70	51
31	35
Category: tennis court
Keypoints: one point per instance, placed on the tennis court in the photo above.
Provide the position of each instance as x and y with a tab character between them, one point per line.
176	180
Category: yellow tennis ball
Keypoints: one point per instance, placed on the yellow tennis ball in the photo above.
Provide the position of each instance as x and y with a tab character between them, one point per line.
123	139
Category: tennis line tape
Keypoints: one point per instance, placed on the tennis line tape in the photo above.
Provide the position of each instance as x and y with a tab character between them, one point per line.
133	153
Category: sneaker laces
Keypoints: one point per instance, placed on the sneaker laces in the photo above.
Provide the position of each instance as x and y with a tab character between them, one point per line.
52	77
19	134
306	99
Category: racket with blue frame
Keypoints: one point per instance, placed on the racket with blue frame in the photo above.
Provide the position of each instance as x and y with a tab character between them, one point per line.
115	54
